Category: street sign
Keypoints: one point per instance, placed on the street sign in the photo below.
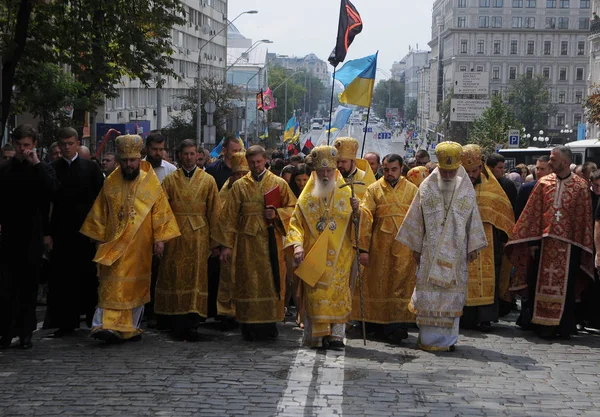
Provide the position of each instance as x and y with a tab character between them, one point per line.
384	135
367	129
514	136
472	83
463	110
415	135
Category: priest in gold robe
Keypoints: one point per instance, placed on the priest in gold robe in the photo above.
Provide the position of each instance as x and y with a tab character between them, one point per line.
390	271
182	286
444	230
498	220
131	219
252	224
321	232
225	301
351	167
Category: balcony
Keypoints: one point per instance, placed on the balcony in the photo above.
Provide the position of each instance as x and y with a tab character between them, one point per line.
595	27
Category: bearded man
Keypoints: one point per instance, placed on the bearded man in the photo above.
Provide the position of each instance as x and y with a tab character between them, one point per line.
348	165
444	230
321	235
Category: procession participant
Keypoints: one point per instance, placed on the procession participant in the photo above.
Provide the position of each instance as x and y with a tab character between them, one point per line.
27	186
422	158
541	170
84	152
417	175
221	168
321	233
495	163
497	215
54	152
554	227
182	286
389	275
225	301
347	164
375	163
109	163
444	230
258	262
130	219
7	152
73	282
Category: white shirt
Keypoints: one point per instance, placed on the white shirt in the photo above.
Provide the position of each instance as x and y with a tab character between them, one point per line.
164	169
70	161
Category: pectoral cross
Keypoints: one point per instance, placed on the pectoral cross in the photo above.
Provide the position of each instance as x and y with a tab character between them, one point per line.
558	215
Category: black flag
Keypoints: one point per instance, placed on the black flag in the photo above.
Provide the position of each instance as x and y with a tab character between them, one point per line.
349	26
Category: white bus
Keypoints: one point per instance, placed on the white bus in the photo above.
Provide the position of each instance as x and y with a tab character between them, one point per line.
583	151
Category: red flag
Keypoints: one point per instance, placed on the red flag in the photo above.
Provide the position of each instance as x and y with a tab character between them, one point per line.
349	26
268	101
260	104
308	145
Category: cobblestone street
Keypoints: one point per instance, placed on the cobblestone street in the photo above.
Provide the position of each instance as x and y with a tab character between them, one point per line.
507	372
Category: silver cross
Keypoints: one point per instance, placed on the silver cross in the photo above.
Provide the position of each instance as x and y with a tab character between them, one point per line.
558	215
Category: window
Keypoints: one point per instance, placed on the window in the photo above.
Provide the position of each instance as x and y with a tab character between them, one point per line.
529	72
576	119
512	73
584	4
498	3
581	48
561	97
564	47
517	22
584	23
479	68
496	73
530	47
546	72
562	74
578	97
530	4
551	23
496	21
513	47
462	22
517	3
484	21
547	47
579	74
497	48
529	22
463	46
550	4
480	47
565	4
563	23
560	119
495	92
462	68
462	3
484	3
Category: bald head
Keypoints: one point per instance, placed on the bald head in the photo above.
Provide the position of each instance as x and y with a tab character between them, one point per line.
84	152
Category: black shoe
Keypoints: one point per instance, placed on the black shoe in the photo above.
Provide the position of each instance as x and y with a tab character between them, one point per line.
106	336
336	345
61	333
397	336
193	336
452	348
5	342
485	327
228	323
25	342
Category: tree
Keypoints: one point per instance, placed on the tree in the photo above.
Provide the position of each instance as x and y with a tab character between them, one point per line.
411	110
295	92
531	102
388	93
491	129
99	41
591	105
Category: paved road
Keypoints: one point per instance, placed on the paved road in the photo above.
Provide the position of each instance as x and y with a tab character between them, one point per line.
508	372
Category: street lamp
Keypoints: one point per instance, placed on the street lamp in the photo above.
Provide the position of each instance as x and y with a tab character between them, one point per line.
199	100
566	131
254	45
541	138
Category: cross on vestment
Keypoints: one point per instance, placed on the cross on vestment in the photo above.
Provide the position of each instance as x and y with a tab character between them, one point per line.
551	273
558	215
145	195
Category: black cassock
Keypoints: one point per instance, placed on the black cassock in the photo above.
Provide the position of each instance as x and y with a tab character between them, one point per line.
26	191
73	283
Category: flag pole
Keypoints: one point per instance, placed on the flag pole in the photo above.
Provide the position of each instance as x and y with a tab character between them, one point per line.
362	152
331	105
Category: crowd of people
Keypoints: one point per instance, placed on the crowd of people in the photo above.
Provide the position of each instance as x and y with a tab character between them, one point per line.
251	236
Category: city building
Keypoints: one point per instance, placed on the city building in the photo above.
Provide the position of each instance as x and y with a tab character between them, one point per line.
415	60
508	39
310	63
423	106
141	106
593	131
397	70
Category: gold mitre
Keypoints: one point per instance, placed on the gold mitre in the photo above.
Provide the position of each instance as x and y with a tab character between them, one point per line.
346	147
322	157
129	146
471	157
239	163
448	155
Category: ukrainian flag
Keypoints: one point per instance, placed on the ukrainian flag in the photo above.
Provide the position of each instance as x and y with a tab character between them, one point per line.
292	130
358	77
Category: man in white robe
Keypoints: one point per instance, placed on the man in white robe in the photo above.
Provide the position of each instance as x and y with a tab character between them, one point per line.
443	228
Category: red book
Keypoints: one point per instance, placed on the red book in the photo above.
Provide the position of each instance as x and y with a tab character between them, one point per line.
273	197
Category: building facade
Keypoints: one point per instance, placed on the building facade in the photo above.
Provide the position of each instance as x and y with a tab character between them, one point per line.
136	103
397	70
593	131
511	38
311	63
415	61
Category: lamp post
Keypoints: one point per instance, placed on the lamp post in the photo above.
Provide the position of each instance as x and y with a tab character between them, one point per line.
541	138
199	75
567	131
254	45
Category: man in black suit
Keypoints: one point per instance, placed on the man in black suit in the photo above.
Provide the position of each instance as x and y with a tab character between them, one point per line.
73	284
541	170
26	186
496	164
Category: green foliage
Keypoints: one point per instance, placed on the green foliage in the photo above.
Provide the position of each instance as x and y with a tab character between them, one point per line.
411	111
531	102
592	105
388	91
491	129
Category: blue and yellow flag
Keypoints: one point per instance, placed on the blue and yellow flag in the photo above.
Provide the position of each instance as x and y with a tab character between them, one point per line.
358	76
292	130
266	134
